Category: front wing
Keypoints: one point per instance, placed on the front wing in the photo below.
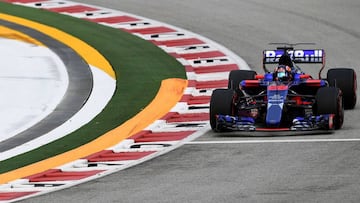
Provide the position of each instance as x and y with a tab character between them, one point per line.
300	126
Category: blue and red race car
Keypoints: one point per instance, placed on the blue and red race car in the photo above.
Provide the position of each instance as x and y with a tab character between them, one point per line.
284	100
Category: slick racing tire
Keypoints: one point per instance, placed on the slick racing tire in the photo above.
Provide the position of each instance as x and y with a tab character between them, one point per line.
329	101
221	102
236	76
345	79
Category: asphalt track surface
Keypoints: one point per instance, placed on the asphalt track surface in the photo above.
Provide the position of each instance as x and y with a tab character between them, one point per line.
223	168
77	93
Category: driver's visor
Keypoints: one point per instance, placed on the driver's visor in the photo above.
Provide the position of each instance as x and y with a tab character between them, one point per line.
281	74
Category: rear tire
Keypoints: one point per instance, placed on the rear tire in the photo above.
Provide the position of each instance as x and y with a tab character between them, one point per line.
345	79
221	102
329	101
236	76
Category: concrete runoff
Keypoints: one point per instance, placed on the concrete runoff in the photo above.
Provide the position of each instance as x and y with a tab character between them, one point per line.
79	89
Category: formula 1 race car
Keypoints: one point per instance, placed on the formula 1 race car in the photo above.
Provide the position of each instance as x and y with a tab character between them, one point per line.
286	99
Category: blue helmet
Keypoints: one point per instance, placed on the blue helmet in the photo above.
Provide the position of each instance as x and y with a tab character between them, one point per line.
282	73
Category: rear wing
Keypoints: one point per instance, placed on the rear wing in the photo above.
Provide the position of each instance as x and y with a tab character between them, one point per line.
297	55
309	56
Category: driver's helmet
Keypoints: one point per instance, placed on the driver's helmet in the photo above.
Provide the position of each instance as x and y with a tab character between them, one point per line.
282	73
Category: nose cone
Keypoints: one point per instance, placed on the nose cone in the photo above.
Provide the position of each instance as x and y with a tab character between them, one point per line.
276	97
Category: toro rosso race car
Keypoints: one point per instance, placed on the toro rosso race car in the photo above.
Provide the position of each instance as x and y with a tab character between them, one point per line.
286	99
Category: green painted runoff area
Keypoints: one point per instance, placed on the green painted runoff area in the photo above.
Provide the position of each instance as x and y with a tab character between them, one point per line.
140	67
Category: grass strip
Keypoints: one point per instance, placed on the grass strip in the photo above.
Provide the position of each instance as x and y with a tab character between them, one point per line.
139	65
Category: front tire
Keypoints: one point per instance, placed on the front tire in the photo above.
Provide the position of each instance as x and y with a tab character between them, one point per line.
329	101
236	76
221	102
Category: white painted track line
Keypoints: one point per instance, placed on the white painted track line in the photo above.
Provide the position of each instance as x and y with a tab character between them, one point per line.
272	141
